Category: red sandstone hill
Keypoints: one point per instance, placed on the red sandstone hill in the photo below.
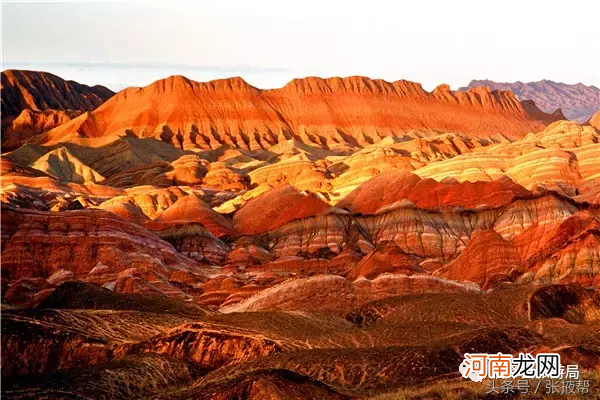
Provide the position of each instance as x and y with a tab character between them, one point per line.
324	112
578	101
192	209
39	91
275	208
390	188
34	102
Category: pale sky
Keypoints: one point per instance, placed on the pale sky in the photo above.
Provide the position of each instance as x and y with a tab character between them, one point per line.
268	43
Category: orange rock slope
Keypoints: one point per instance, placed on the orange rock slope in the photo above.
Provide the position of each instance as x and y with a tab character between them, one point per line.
34	102
325	112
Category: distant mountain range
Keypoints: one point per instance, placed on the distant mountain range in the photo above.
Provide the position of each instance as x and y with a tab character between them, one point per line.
578	102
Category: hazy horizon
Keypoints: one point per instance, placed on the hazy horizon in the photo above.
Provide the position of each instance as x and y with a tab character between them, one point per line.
120	44
68	71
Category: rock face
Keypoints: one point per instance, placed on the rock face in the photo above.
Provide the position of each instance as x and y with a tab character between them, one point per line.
66	167
569	302
96	246
427	201
185	170
17	130
487	260
34	102
578	102
387	257
191	208
385	190
573	244
275	208
183	112
39	91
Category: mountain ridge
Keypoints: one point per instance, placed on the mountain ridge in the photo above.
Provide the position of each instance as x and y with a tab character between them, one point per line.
349	111
34	102
578	101
29	90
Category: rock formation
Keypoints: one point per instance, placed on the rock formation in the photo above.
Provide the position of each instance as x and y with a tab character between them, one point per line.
578	102
275	208
96	246
336	239
230	112
34	102
39	91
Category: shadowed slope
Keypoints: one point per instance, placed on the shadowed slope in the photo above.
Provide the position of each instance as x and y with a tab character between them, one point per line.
80	295
40	91
189	209
42	101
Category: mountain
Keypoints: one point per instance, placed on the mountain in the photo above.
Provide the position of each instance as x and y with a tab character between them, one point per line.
330	113
40	91
578	102
34	102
